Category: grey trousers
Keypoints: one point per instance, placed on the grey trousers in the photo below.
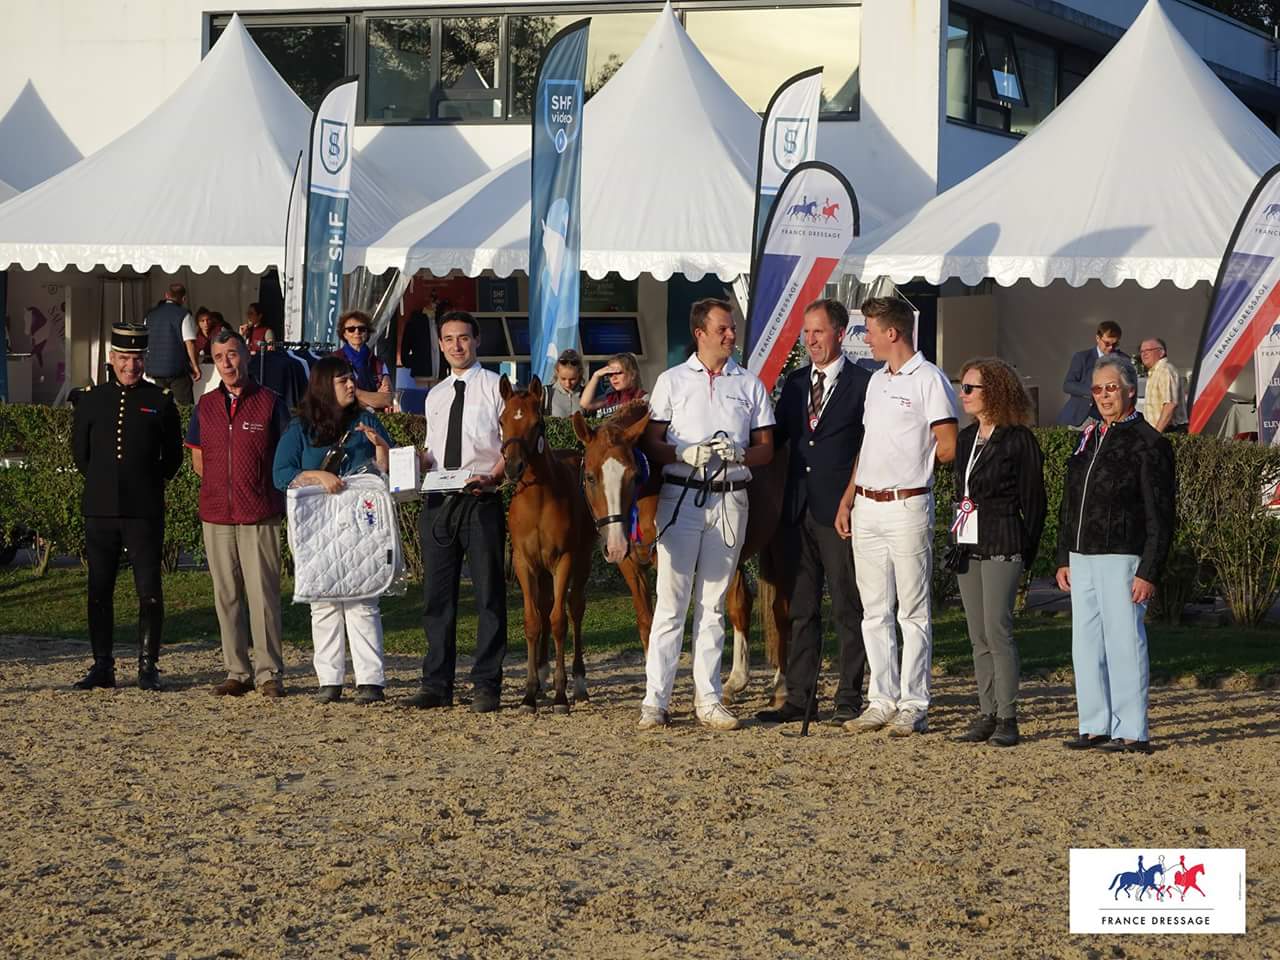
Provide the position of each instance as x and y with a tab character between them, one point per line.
244	564
988	590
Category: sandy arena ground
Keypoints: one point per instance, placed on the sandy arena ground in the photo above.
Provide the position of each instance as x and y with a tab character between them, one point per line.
180	825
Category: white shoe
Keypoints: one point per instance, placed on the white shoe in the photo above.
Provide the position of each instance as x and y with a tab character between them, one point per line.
651	718
875	717
717	717
908	721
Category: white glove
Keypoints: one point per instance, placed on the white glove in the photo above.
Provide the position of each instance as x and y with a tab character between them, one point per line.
694	454
728	451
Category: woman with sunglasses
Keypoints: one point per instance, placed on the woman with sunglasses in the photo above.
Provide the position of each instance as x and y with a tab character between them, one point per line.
1114	532
997	527
329	438
373	382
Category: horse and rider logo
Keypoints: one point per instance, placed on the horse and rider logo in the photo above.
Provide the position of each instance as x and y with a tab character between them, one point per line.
1155	879
1271	212
333	146
811	211
790	141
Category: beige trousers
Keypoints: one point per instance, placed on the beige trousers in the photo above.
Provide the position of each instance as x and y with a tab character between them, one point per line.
244	562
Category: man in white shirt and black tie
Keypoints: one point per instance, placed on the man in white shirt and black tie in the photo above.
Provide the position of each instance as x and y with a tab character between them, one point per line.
463	414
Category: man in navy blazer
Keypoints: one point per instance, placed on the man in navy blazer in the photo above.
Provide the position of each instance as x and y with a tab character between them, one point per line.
819	418
1078	384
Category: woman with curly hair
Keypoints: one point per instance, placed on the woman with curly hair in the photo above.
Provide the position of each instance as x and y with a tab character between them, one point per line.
998	522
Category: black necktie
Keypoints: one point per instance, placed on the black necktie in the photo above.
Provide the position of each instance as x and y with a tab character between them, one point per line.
453	439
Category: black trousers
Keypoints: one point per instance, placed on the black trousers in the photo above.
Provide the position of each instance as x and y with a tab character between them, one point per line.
820	554
105	538
450	528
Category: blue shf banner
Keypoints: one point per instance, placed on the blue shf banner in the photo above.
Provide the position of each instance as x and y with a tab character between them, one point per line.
555	234
328	194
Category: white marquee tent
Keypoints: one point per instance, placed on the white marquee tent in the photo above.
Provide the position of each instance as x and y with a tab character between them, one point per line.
6	191
668	181
1139	175
202	182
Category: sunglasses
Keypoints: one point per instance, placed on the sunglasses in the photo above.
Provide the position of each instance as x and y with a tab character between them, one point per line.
968	388
356	330
1098	389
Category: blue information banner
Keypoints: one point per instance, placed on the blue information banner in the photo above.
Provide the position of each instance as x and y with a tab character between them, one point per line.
328	195
555	235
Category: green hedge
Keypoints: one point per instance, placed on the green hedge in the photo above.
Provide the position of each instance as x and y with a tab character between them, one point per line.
1226	538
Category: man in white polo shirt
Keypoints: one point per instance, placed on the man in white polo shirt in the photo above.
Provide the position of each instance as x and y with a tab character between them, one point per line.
710	422
909	421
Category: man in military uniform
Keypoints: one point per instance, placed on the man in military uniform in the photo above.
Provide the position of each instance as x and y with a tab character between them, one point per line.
127	442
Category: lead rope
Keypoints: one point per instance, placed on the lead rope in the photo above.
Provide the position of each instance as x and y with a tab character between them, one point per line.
702	494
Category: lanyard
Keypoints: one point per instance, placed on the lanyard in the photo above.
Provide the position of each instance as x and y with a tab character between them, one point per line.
974	453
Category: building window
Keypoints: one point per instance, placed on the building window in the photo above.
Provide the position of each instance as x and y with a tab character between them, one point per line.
470	84
1005	78
612	39
756	49
959	67
309	56
397	80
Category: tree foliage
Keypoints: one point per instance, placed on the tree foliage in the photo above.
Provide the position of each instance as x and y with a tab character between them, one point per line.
1263	14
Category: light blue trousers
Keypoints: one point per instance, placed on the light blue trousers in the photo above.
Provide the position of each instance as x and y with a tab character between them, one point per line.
1109	646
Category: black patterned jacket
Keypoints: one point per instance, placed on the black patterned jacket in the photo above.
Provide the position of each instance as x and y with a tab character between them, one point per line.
1007	485
1119	497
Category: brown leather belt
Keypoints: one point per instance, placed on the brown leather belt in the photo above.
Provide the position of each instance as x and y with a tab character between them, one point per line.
719	486
883	496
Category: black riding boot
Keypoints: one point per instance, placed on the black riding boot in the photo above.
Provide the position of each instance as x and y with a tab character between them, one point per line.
150	620
103	671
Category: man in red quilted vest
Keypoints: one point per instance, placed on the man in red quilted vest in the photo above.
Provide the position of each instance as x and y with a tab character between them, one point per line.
233	435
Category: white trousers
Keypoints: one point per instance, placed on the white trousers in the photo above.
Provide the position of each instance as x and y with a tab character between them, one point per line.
893	559
359	624
697	558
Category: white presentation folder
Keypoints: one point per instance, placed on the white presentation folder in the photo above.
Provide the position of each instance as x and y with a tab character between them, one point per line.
445	481
403	472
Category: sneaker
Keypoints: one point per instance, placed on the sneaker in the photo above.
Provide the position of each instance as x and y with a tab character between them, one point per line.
908	721
651	718
875	717
717	717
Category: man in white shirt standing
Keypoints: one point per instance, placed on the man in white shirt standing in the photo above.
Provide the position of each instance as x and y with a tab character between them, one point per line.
463	413
710	423
909	423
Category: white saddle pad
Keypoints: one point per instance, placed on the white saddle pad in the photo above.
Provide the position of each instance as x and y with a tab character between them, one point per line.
346	546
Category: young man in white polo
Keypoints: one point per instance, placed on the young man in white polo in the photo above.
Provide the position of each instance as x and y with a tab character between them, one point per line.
909	423
710	422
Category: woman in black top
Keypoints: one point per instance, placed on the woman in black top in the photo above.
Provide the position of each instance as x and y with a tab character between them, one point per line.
998	522
1114	532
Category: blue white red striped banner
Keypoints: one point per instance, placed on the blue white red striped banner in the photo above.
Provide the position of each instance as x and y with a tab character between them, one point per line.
1244	311
809	229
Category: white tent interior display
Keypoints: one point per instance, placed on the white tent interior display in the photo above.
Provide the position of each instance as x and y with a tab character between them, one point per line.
1139	175
668	181
202	182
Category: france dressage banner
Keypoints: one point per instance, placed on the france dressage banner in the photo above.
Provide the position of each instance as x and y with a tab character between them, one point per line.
295	225
810	227
328	194
1244	312
788	137
555	235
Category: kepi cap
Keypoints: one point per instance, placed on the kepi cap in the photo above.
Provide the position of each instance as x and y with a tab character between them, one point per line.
127	338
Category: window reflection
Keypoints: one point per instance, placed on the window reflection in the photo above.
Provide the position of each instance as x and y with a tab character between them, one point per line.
469	69
959	54
1039	63
613	37
795	38
398	68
